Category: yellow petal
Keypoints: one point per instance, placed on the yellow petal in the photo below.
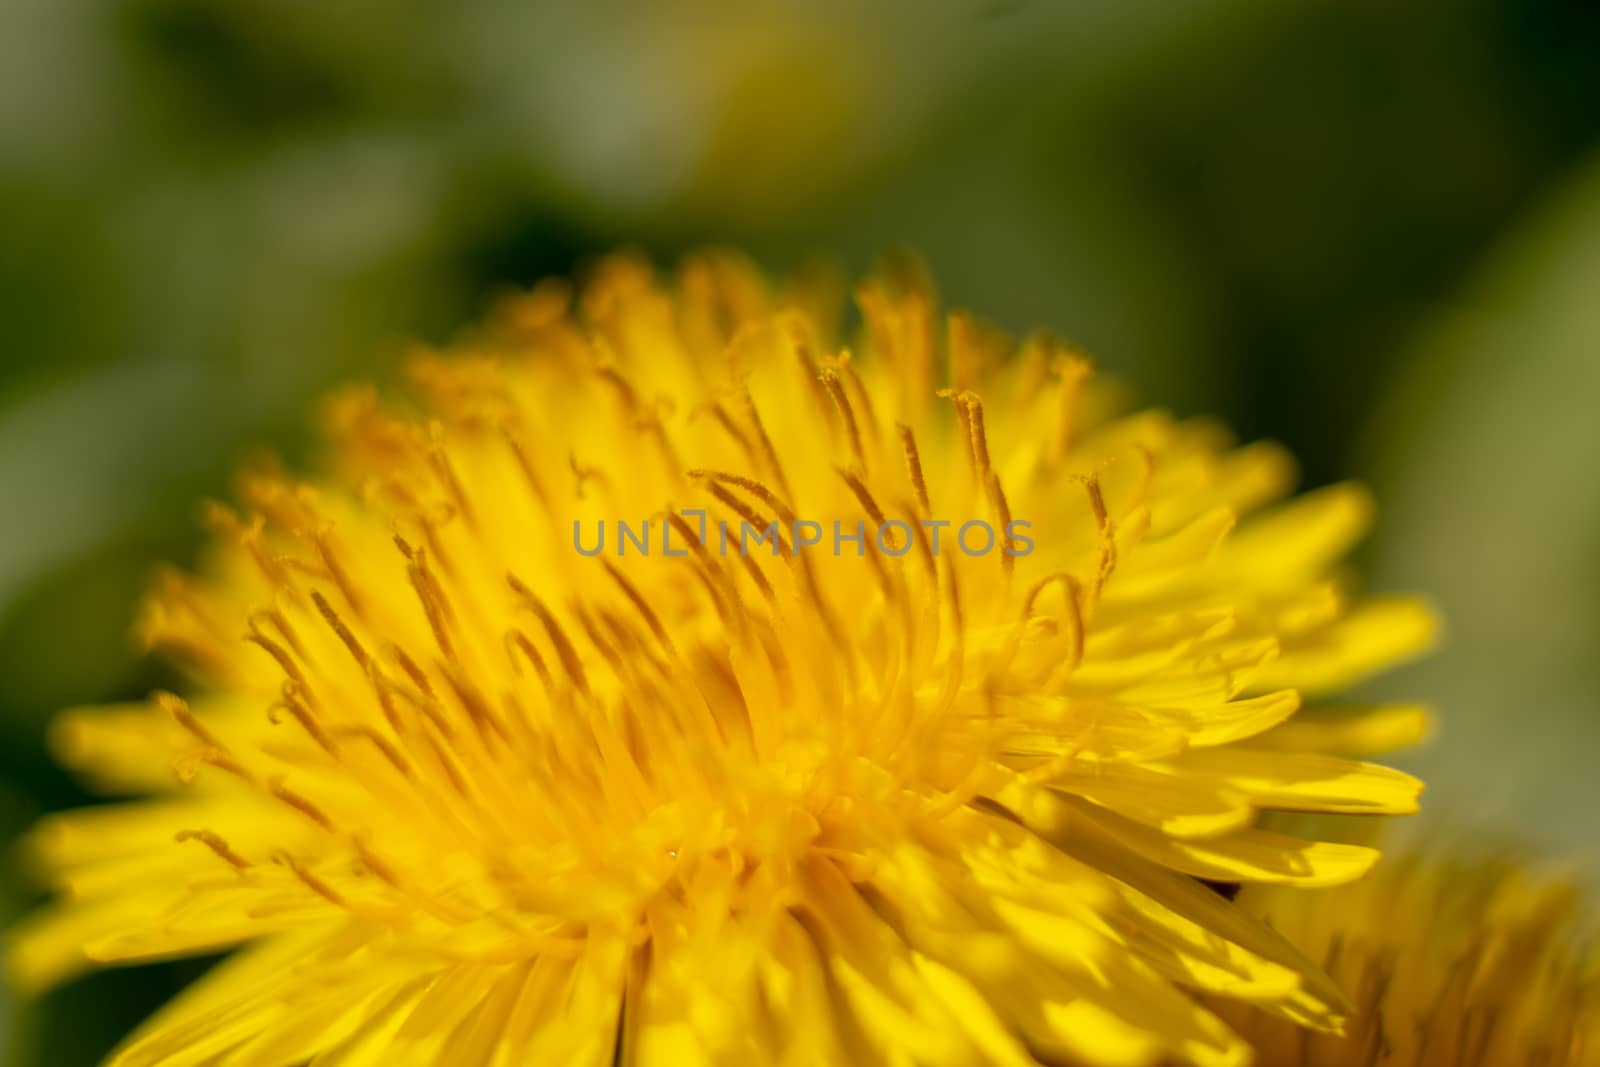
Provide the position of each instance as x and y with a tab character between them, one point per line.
1248	855
1378	634
1300	781
1319	1002
1299	539
1164	802
1350	731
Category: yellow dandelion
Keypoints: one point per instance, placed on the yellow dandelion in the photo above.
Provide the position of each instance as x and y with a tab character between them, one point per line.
1451	962
901	716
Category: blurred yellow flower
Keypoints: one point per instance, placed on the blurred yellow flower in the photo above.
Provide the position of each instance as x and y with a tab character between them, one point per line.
1451	961
473	790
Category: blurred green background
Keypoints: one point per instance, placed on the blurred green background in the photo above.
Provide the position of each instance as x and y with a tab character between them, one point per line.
1370	230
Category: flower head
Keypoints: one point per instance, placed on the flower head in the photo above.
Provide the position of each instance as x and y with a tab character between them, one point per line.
1470	962
879	788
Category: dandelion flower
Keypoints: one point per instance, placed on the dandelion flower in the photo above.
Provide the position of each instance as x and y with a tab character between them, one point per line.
464	789
1451	961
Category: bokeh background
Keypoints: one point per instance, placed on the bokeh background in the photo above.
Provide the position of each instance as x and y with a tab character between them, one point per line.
1368	229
